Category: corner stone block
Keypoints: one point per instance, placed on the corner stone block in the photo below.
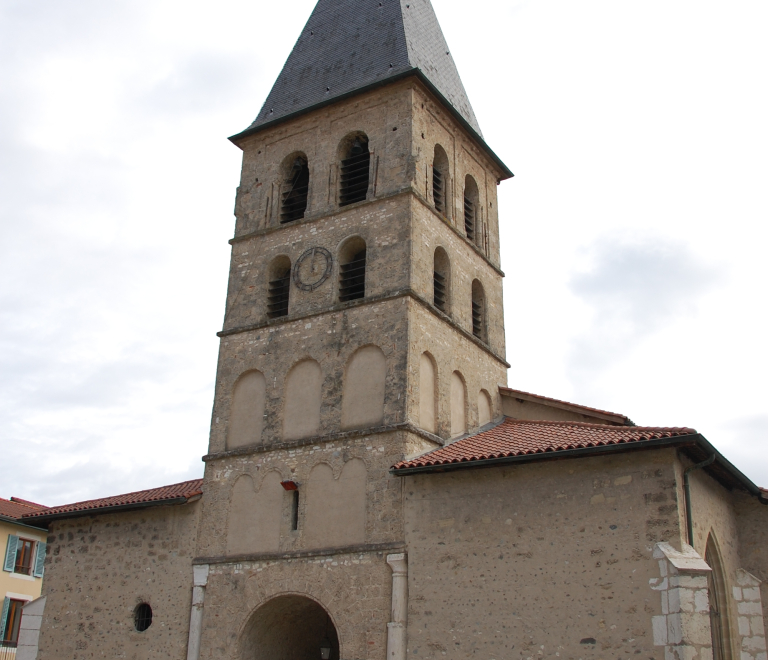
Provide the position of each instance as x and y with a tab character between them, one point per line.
659	630
701	601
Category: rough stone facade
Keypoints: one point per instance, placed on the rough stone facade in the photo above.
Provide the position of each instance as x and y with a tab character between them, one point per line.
100	568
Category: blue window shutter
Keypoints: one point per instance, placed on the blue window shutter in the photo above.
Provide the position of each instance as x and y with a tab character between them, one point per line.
10	553
4	617
40	560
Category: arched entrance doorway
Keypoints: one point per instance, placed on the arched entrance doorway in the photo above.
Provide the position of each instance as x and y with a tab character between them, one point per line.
289	628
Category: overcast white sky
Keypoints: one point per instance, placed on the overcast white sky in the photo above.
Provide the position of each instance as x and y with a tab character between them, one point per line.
633	234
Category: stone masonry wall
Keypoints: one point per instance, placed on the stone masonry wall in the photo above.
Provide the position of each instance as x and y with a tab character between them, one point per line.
295	462
451	352
430	232
752	521
354	588
550	559
100	568
330	339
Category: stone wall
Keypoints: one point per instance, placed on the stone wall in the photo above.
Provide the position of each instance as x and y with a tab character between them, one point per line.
752	520
550	559
354	588
100	568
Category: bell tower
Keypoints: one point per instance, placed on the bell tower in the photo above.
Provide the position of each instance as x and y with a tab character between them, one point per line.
363	325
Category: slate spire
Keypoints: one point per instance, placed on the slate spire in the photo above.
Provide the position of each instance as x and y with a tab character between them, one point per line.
350	45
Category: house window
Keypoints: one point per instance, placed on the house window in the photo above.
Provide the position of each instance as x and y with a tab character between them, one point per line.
10	622
24	556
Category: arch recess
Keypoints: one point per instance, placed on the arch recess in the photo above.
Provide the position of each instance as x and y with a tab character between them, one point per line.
427	393
363	393
289	627
246	419
335	508
484	408
303	398
254	515
458	405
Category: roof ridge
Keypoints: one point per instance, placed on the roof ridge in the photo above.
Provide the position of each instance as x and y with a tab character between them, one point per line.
567	403
32	505
610	427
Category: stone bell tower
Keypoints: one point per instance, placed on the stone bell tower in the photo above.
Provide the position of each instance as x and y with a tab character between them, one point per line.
363	325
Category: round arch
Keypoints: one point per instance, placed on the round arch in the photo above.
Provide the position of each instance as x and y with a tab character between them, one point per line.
289	627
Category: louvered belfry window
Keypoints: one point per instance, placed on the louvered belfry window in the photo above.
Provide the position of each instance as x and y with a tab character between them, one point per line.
295	192
354	173
352	281
438	190
279	294
469	218
439	291
478	310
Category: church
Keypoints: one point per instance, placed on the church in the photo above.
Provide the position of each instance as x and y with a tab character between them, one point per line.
373	489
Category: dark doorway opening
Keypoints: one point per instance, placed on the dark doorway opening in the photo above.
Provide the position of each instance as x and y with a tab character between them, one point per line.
289	628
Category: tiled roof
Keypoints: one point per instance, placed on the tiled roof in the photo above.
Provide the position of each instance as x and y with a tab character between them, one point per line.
184	490
16	508
348	45
524	438
564	403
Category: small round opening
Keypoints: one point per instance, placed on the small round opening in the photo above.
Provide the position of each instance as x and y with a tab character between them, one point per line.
142	617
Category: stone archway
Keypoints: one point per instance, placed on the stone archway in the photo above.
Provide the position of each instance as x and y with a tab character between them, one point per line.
289	627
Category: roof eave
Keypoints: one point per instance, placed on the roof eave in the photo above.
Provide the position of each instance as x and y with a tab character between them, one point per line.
84	513
692	440
16	521
507	173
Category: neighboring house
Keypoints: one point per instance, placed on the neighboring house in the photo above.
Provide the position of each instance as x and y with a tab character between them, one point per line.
23	554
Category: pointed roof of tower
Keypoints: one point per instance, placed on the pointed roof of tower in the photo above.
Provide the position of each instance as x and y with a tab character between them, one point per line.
348	46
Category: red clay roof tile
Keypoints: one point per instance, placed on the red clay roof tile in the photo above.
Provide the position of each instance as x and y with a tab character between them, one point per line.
518	438
16	508
185	489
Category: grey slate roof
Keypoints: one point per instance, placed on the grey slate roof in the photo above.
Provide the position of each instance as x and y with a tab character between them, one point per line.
348	45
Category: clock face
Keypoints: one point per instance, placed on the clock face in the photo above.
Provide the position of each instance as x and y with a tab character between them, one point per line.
312	268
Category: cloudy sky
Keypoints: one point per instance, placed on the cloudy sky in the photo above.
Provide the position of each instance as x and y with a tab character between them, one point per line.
633	234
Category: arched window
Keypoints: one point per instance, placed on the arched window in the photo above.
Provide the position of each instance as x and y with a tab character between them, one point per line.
355	167
440	181
279	289
478	311
442	280
718	618
471	204
352	262
295	189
